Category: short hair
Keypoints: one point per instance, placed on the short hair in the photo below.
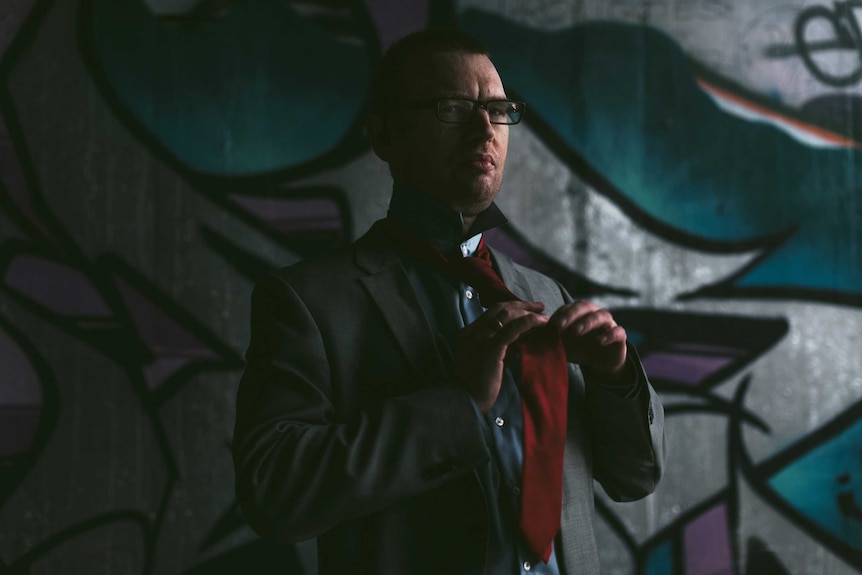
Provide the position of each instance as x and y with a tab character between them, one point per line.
385	82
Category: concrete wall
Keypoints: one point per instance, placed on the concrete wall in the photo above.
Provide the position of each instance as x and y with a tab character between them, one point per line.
693	164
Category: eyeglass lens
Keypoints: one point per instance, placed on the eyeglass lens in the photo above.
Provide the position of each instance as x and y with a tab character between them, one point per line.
460	110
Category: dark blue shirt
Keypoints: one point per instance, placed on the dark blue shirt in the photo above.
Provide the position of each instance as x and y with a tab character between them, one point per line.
449	306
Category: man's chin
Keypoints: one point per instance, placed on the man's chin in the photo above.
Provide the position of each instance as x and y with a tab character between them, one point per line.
468	197
478	197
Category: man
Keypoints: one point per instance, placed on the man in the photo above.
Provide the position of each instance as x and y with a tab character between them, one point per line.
388	406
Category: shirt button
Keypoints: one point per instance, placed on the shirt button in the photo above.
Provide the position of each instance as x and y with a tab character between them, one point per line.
499	421
464	251
468	294
516	490
527	566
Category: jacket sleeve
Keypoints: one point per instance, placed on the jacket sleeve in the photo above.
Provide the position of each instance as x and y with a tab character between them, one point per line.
626	433
302	466
626	436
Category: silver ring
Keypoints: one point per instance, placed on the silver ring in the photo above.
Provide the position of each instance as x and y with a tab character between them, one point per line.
499	324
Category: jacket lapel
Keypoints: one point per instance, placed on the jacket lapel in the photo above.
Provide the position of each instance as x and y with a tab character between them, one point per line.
514	279
389	287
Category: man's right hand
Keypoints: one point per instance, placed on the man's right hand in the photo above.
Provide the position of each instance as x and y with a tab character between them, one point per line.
482	347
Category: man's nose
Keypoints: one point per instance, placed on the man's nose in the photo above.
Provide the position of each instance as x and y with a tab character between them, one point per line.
481	122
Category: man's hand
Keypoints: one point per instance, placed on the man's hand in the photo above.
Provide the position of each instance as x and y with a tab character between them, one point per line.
593	339
482	346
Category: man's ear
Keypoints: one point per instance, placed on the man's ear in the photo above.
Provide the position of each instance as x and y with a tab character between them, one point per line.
380	135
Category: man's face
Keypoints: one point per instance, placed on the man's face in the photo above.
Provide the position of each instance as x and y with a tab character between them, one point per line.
459	164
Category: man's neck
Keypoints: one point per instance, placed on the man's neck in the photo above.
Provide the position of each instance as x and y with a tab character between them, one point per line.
468	223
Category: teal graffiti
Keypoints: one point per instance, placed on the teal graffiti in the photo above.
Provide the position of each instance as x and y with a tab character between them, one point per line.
623	98
825	485
255	90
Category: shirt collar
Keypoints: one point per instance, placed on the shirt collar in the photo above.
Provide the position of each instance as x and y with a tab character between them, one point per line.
438	224
469	246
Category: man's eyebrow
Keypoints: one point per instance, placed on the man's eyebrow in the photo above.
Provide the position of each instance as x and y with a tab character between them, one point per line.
464	96
453	95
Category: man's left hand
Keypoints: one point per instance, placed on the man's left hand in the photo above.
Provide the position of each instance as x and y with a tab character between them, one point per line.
592	339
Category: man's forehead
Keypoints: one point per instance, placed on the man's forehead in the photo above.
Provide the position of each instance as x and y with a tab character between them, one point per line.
448	60
448	72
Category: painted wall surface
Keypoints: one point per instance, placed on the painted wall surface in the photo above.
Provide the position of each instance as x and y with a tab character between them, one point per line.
693	164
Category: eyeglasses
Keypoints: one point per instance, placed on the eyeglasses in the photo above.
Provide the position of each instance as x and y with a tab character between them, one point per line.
462	110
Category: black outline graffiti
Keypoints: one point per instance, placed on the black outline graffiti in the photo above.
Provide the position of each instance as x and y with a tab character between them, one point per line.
13	469
846	500
848	36
757	475
219	190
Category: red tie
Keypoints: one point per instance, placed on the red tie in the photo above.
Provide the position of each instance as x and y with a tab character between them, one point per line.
543	385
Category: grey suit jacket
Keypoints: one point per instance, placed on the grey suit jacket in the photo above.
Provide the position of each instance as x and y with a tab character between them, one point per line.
349	430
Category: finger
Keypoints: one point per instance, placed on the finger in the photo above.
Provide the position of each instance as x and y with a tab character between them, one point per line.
516	328
567	314
570	314
599	320
484	328
611	352
611	336
497	321
501	314
496	318
515	306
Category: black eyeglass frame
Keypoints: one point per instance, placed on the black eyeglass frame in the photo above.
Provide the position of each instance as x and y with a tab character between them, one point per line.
435	103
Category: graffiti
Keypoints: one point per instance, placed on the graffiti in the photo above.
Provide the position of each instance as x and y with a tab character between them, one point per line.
846	500
829	43
588	118
164	162
847	36
608	133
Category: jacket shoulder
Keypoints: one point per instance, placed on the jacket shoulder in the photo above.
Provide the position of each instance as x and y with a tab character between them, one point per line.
531	283
338	268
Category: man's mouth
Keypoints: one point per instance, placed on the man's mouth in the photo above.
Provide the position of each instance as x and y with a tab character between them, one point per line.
483	162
